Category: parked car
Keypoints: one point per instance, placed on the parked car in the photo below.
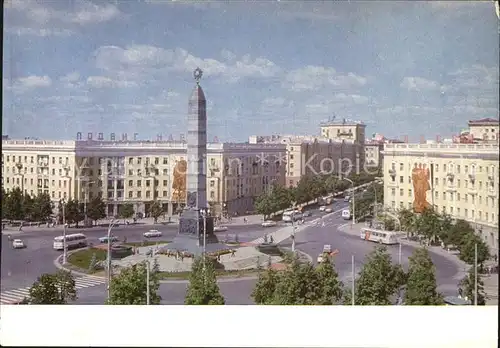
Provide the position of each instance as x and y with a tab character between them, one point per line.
18	244
328	210
307	213
347	198
152	234
322	208
220	228
105	239
269	223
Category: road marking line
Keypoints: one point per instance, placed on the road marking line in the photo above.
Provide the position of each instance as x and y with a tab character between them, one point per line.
18	291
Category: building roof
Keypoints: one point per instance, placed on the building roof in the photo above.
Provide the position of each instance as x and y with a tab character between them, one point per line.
483	121
197	94
343	122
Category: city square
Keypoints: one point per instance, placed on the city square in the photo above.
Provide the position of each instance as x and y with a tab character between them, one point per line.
212	153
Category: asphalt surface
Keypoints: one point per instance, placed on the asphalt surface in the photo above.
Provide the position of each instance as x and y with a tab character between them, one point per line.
311	241
21	267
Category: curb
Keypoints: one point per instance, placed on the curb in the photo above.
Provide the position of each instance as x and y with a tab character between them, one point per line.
59	265
462	267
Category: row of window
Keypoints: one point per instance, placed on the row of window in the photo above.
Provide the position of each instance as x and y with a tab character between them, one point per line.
452	197
450	168
40	159
445	182
467	214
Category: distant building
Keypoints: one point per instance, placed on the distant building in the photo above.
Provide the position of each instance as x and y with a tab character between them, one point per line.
353	131
139	172
308	154
374	148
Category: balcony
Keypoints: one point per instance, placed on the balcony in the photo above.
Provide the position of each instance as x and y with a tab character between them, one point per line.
491	178
492	192
472	190
450	176
392	184
43	164
392	172
451	187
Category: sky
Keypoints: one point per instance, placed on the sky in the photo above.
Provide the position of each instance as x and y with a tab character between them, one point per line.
269	67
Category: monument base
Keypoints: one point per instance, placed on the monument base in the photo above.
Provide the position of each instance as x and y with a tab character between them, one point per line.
190	238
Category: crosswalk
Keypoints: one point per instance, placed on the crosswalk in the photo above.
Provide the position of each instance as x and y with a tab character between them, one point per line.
17	295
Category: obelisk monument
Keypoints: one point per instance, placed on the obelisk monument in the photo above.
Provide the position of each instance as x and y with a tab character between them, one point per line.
195	219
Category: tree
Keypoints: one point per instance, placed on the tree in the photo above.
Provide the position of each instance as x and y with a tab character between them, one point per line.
127	211
28	208
53	289
429	224
330	288
408	221
42	207
14	205
4	198
379	279
263	292
459	233
129	287
96	209
467	287
203	288
298	285
156	210
467	250
263	205
421	280
73	212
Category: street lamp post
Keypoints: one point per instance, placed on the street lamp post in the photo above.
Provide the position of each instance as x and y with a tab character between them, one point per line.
19	166
63	204
353	201
293	226
111	225
85	200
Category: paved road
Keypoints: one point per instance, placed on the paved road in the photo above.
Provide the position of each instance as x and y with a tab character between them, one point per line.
21	267
311	241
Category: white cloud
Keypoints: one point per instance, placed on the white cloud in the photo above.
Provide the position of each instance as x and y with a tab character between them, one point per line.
227	55
106	82
23	84
38	19
138	61
71	77
419	84
40	32
313	78
272	102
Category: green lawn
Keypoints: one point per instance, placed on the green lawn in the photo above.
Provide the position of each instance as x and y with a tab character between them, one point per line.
82	258
147	243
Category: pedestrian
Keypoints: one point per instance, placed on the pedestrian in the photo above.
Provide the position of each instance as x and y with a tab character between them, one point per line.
245	220
495	257
271	239
232	252
182	257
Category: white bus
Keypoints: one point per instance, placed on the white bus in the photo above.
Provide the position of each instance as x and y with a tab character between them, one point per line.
76	240
287	215
382	237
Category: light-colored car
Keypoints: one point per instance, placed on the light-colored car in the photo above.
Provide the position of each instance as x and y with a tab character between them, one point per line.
307	213
105	239
322	208
328	210
152	234
269	223
18	244
347	198
220	228
321	257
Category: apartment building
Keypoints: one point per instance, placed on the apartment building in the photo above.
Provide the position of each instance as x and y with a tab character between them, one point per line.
306	154
139	172
374	148
485	130
352	131
458	179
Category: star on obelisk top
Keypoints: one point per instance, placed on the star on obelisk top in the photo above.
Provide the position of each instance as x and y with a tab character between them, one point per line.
198	73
